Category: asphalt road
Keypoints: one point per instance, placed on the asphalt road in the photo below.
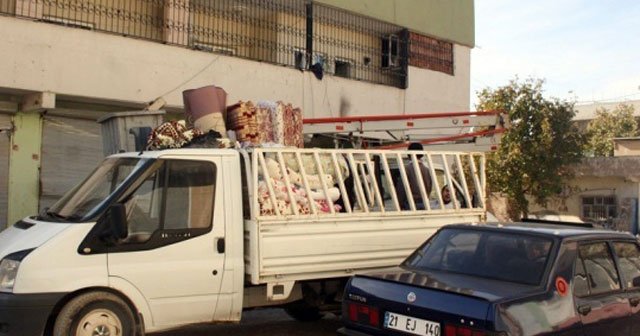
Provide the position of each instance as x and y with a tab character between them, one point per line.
267	322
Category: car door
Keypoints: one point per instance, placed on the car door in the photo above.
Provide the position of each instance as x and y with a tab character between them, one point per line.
628	259
602	305
171	255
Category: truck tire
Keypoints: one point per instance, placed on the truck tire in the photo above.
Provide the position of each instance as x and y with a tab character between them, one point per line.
303	311
95	313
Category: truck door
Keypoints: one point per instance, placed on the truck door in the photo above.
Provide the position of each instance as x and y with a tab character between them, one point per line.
175	219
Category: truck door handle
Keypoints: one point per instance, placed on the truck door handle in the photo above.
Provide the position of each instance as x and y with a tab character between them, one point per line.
584	309
220	245
634	301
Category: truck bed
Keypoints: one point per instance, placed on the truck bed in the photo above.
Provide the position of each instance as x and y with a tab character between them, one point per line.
301	250
285	245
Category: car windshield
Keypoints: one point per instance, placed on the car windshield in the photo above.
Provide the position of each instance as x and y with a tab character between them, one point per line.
512	257
82	202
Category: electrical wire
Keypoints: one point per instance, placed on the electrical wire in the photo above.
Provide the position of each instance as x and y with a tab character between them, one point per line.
191	78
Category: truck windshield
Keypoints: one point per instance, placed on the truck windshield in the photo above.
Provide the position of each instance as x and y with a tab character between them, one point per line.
87	198
512	257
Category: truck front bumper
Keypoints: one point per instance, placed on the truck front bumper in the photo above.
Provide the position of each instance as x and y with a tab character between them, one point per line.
26	314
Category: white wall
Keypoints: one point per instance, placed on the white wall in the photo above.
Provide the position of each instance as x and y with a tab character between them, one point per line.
432	91
93	65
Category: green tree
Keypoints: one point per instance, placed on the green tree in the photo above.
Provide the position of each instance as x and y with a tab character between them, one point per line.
538	147
608	125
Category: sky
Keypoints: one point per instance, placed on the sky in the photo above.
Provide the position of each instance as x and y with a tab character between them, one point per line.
586	50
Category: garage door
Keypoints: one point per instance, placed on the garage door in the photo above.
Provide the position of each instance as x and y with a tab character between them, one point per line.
71	149
5	141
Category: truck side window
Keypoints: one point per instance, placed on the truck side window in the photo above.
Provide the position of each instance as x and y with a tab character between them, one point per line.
177	196
628	261
602	275
190	190
143	209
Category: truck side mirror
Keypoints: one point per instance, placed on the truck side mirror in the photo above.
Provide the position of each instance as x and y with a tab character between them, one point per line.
118	220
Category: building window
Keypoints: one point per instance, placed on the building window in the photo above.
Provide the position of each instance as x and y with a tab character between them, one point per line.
599	208
300	59
358	47
430	53
390	51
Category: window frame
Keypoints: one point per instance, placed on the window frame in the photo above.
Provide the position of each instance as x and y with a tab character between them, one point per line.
615	265
606	206
546	270
161	236
617	261
344	62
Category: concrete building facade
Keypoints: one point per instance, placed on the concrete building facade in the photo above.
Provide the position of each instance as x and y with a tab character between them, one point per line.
66	63
604	190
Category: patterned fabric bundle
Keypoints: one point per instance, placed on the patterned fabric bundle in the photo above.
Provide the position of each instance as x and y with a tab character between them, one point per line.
171	134
292	118
266	118
267	122
242	118
300	198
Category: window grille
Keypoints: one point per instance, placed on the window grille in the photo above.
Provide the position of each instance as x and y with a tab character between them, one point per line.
292	33
430	53
600	209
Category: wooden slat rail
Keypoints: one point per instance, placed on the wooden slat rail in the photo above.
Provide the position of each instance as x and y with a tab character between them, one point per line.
308	192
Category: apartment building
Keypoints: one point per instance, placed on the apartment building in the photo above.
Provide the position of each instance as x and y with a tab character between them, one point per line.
65	63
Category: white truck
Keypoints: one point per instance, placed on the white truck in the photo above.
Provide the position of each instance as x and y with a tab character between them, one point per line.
162	239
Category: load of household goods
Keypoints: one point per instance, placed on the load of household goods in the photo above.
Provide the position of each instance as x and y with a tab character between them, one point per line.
210	123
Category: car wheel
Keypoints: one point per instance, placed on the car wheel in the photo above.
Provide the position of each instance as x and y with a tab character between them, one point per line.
95	314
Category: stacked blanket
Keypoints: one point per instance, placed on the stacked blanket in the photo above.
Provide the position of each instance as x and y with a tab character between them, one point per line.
301	198
266	122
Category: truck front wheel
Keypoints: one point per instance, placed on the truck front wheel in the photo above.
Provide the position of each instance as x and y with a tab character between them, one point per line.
95	313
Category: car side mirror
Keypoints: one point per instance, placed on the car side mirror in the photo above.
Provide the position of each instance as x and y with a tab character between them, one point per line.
117	214
636	281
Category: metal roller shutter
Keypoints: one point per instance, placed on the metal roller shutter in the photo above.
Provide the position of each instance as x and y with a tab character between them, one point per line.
71	149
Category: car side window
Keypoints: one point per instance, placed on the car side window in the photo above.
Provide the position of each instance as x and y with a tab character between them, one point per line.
628	255
598	263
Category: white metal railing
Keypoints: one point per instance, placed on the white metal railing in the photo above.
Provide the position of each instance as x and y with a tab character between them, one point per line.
296	183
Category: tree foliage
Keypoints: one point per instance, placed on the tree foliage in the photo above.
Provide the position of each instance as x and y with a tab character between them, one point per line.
538	147
608	125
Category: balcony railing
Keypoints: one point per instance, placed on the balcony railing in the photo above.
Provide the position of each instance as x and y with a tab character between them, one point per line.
292	33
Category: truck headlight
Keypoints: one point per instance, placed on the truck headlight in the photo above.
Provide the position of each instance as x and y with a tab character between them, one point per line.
9	269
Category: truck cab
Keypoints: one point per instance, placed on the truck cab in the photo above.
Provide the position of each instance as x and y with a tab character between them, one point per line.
151	240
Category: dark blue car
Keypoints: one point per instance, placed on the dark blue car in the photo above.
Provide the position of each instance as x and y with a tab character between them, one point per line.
516	279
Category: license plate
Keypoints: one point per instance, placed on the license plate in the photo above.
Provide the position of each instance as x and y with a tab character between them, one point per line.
411	325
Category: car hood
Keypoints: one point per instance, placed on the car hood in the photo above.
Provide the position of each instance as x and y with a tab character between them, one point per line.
487	289
27	234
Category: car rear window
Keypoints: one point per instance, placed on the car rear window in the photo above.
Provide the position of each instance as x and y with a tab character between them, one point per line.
512	257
